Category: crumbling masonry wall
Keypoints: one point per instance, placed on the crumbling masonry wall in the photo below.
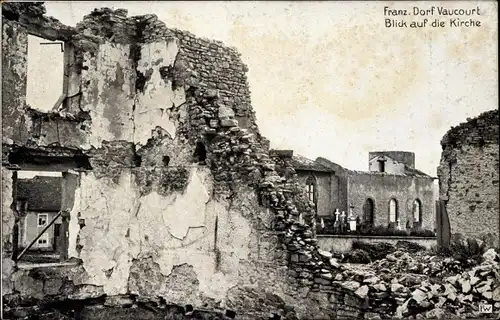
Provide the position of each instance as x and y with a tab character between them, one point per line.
180	199
469	176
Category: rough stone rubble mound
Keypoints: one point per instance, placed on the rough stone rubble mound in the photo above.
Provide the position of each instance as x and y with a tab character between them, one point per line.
423	286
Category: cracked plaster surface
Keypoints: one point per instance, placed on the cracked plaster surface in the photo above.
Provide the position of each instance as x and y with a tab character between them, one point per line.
110	89
175	229
109	93
153	106
179	213
7	225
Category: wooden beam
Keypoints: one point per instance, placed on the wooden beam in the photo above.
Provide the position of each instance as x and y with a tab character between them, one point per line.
59	102
39	235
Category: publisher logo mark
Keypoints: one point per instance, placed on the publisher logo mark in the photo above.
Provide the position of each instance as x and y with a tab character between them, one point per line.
485	308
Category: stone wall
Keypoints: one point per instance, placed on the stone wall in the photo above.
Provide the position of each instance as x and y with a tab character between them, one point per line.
381	187
340	190
180	201
469	177
343	243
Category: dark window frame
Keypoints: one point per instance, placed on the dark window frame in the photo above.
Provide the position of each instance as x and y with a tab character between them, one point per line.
311	189
396	209
381	165
417	204
370	215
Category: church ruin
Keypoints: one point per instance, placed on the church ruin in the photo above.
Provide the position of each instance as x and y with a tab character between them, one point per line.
392	192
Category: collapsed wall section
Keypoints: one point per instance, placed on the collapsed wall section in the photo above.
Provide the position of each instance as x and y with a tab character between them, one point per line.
469	176
209	65
178	200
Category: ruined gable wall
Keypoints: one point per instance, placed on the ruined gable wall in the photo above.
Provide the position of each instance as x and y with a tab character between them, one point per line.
391	165
382	187
469	176
108	198
209	65
404	157
221	235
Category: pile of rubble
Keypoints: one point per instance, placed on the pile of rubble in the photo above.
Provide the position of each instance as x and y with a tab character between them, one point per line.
423	286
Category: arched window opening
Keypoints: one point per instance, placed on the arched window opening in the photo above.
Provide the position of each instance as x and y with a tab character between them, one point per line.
368	212
393	211
311	189
417	213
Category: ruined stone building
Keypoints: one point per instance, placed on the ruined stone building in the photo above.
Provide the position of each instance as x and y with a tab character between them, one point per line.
169	194
322	186
469	177
391	190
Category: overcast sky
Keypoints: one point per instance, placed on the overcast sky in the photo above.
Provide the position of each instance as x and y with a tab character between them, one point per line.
328	79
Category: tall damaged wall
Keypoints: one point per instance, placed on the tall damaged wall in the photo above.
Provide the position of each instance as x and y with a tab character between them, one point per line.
469	176
180	201
127	67
14	54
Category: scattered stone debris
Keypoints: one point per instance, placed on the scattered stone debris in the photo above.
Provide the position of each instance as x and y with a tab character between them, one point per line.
425	286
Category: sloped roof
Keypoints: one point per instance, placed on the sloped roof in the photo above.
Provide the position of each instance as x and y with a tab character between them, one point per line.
41	193
409	172
415	172
302	163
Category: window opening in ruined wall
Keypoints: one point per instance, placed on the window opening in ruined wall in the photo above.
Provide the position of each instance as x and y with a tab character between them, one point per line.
166	160
311	189
45	87
393	211
39	197
381	165
369	209
200	153
417	213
